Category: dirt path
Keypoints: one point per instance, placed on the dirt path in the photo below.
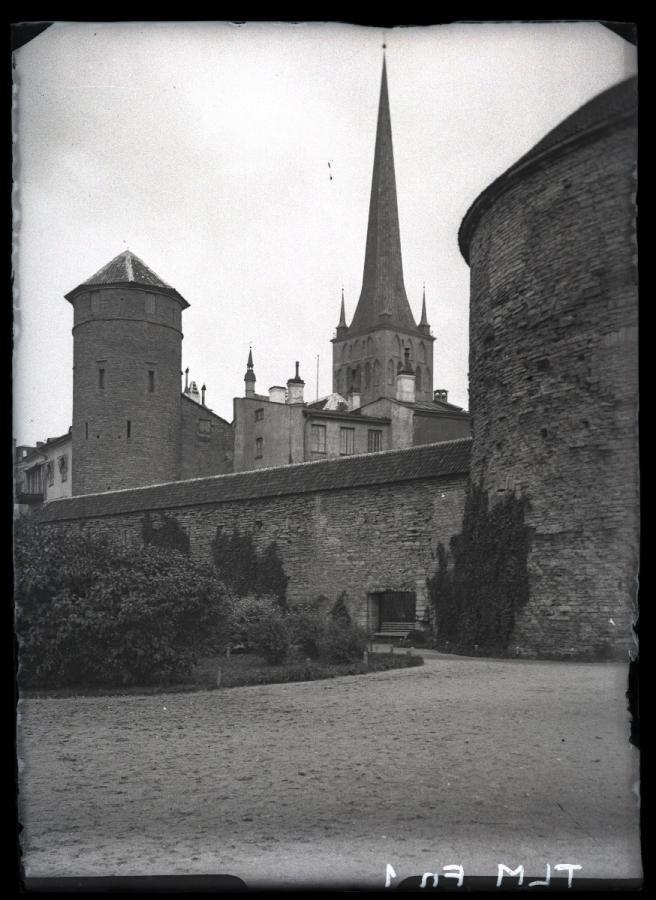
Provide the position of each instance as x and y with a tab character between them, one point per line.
464	761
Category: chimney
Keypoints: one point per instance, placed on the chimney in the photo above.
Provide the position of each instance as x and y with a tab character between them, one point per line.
277	394
186	379
405	381
295	387
353	400
441	394
202	390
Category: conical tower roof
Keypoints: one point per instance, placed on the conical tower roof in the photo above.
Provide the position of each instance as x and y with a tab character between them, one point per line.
127	268
383	299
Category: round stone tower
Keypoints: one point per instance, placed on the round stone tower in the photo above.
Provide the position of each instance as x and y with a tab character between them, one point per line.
127	344
553	370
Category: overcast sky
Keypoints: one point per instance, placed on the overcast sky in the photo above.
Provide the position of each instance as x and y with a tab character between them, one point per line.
204	149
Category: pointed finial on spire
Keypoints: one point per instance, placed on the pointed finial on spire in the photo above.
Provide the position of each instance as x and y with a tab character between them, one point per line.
424	319
249	377
342	313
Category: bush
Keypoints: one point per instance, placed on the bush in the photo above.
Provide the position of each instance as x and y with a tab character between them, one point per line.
331	637
92	613
270	636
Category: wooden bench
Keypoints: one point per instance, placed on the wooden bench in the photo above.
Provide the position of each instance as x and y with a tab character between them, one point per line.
394	631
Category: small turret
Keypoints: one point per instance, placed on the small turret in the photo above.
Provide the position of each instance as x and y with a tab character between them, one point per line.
249	377
342	327
423	324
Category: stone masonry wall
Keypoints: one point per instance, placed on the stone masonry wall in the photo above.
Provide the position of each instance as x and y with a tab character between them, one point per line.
359	539
553	368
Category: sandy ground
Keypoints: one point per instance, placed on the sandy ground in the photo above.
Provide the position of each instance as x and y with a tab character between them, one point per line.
461	761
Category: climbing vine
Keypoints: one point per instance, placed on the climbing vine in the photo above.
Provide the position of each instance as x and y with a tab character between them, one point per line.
245	571
482	580
169	534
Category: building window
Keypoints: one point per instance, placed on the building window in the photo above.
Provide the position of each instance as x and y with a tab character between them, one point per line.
367	376
346	441
318	438
101	379
259	447
390	372
62	462
204	428
374	440
128	429
418	386
259	415
50	472
151	381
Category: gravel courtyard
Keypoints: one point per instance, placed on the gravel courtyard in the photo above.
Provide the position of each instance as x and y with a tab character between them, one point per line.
466	761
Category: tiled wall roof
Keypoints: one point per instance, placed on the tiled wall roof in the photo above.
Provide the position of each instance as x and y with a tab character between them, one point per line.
449	458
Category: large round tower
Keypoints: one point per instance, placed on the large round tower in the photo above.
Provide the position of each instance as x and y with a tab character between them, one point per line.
553	370
127	344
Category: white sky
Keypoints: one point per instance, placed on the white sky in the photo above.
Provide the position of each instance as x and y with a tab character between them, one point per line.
204	148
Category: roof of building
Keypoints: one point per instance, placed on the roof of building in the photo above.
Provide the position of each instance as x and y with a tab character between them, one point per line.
345	415
449	459
612	106
202	408
36	454
127	268
383	298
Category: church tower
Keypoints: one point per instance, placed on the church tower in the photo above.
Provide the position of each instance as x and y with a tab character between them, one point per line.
127	346
368	353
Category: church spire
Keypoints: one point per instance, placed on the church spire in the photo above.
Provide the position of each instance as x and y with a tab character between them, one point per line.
249	377
383	300
423	324
342	327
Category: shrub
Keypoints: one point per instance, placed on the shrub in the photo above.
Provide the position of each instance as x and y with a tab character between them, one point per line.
307	629
270	636
92	613
343	642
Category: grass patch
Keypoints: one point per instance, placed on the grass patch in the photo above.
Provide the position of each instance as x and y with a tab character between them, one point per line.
244	669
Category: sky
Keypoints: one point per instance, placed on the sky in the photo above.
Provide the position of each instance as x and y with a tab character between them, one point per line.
204	148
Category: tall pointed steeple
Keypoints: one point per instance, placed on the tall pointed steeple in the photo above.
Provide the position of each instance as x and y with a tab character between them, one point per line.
249	377
383	300
423	324
342	327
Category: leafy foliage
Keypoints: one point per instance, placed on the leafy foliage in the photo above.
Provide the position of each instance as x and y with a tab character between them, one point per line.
169	534
246	573
478	588
271	636
89	612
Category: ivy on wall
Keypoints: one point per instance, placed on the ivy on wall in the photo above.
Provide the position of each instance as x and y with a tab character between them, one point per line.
245	571
483	580
168	534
